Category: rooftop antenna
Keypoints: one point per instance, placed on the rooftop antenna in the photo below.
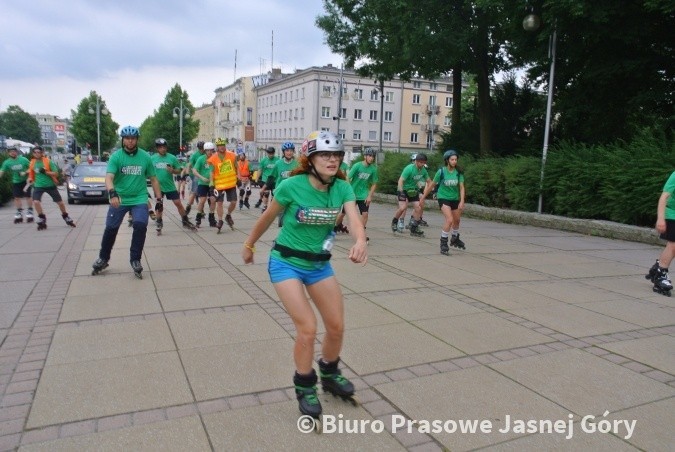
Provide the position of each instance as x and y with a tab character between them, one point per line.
235	65
272	58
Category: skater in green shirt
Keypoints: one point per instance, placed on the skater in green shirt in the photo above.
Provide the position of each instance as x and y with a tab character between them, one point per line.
266	166
43	174
311	200
17	165
665	225
408	191
126	174
363	179
166	165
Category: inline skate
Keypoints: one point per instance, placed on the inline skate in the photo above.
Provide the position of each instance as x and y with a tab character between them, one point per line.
98	266
456	242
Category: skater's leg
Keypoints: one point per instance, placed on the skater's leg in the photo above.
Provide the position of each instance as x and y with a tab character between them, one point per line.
291	292
140	225
667	255
113	221
327	297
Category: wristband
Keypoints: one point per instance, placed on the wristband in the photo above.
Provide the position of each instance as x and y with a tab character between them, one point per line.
250	247
112	194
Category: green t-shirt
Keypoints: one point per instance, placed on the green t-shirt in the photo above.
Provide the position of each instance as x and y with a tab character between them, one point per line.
16	166
44	180
448	188
309	215
204	170
282	170
164	176
670	205
361	178
130	174
193	160
413	177
344	167
266	167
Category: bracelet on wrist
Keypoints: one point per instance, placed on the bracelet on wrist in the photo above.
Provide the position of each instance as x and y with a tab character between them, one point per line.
250	247
112	194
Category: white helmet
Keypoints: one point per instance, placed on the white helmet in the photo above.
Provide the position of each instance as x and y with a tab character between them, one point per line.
209	146
320	141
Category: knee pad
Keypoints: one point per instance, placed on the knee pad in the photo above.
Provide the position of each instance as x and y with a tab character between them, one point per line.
266	195
248	192
241	192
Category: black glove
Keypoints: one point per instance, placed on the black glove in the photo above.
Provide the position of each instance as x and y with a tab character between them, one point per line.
112	194
238	182
159	206
402	196
42	170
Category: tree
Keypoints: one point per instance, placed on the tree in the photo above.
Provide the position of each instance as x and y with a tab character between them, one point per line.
20	125
423	38
164	125
84	125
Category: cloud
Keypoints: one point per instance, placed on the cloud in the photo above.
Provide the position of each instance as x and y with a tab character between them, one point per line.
132	52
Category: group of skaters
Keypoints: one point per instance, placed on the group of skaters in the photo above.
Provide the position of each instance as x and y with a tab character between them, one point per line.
30	180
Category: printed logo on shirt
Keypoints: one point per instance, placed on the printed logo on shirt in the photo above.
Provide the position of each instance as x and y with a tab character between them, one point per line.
317	215
132	170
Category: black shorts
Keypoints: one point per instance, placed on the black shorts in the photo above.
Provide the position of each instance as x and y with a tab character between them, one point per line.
363	207
53	192
17	190
202	191
669	235
454	205
229	193
409	195
171	195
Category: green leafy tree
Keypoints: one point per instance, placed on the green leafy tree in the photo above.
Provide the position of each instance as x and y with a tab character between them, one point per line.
147	129
20	125
166	125
84	125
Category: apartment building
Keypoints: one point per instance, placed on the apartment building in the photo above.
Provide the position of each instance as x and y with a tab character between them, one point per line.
234	115
410	115
55	132
207	130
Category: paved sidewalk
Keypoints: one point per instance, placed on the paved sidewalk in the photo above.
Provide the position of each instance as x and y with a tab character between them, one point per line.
526	324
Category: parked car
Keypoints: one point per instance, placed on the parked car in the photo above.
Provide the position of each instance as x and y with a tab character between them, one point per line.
87	183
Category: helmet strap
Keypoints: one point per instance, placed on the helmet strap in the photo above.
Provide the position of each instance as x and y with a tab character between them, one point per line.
315	173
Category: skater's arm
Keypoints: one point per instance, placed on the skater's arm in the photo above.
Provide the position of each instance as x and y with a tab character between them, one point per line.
427	189
661	212
113	197
359	252
155	187
369	198
259	229
461	196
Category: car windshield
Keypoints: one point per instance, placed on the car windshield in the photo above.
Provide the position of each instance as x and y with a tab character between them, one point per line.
90	170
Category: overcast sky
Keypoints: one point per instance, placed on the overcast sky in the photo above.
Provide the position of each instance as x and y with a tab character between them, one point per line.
53	53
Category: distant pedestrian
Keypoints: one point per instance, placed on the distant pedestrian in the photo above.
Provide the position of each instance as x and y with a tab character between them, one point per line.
17	165
266	167
665	225
44	175
201	170
300	263
283	168
450	182
244	180
126	174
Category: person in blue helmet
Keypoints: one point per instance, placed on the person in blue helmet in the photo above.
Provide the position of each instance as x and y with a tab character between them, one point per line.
126	174
450	182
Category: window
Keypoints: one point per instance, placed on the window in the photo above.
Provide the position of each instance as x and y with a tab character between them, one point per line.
358	114
357	135
389	96
448	102
448	87
341	134
433	86
416	99
413	138
325	129
432	100
388	116
415	118
325	112
373	115
372	135
374	94
447	121
387	136
343	113
303	93
358	94
326	91
302	111
417	85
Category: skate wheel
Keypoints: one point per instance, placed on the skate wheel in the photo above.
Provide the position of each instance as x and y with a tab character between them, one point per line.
94	273
318	428
355	401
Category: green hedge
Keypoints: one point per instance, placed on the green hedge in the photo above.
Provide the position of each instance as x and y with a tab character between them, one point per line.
620	182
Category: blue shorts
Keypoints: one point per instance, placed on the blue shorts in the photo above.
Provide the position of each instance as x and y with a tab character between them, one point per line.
281	270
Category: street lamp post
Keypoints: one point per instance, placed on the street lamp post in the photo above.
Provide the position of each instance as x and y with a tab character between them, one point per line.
380	88
98	111
532	23
180	113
